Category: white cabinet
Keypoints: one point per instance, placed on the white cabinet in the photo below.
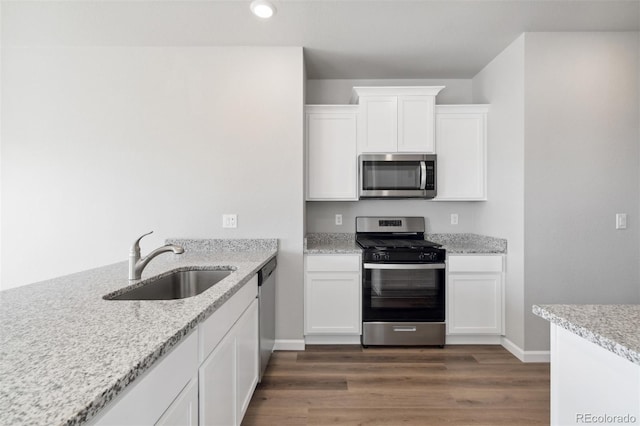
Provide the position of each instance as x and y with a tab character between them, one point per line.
145	402
229	373
184	410
217	379
331	136
247	362
475	295
332	295
589	383
396	119
461	146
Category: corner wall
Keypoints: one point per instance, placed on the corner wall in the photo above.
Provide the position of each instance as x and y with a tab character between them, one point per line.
501	84
581	168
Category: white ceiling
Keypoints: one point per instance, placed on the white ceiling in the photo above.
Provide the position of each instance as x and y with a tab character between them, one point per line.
342	39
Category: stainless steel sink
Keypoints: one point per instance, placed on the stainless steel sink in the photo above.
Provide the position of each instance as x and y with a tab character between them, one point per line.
177	285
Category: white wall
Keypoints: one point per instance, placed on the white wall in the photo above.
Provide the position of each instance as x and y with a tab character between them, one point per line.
321	214
501	84
581	168
103	144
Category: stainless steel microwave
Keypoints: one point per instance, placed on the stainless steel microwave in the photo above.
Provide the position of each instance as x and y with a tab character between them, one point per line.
397	176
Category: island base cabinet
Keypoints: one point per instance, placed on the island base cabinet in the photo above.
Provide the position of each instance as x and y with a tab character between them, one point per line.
184	410
589	384
157	391
229	375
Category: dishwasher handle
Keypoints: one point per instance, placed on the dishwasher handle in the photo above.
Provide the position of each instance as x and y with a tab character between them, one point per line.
267	270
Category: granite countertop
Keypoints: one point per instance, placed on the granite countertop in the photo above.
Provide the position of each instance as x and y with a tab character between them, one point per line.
466	243
331	243
461	243
615	328
66	352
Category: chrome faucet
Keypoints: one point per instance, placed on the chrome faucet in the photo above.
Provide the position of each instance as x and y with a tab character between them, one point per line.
137	265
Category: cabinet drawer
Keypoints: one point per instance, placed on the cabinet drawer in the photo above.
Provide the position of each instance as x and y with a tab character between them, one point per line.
214	328
333	263
475	263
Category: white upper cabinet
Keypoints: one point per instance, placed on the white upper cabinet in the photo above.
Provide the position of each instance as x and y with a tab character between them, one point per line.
331	135
396	119
461	145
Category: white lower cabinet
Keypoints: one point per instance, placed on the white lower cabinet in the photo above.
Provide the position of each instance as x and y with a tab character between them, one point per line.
217	379
184	410
247	361
145	402
208	379
475	295
229	375
332	296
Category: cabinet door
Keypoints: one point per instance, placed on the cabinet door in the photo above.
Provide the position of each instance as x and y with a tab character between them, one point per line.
333	303
475	303
247	362
379	124
416	131
461	149
217	380
184	410
331	153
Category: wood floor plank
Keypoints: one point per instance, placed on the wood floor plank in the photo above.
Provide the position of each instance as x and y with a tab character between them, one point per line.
424	417
349	385
371	357
307	382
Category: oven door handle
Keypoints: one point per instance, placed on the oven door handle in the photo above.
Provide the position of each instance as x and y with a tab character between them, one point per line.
404	266
423	175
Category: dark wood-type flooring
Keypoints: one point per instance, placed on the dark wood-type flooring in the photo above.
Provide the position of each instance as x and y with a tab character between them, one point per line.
349	385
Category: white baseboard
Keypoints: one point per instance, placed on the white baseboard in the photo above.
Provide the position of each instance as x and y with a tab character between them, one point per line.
525	356
289	345
472	340
332	340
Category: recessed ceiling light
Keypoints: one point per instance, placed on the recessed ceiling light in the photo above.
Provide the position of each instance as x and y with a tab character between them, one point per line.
262	9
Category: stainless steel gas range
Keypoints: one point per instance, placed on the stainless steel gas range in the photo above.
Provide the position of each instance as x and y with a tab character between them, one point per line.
403	283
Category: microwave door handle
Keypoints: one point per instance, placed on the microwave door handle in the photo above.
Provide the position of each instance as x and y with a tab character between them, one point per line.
423	175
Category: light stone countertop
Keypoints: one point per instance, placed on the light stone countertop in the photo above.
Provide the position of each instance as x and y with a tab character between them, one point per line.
65	352
460	243
331	243
615	328
467	243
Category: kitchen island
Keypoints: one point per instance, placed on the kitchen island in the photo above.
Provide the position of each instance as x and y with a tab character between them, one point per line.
65	352
595	363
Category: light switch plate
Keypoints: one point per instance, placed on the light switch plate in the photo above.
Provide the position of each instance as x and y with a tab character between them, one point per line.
229	220
621	221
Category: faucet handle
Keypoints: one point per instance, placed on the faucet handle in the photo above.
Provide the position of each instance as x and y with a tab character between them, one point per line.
135	248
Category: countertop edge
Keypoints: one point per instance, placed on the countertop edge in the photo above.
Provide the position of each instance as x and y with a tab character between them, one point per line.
587	334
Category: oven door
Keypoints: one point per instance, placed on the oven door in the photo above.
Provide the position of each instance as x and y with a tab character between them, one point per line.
403	292
397	176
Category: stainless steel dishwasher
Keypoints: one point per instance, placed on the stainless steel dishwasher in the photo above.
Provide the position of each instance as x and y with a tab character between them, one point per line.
267	312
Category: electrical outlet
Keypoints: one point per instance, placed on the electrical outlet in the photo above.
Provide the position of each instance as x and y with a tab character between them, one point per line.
229	220
338	219
621	221
454	218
